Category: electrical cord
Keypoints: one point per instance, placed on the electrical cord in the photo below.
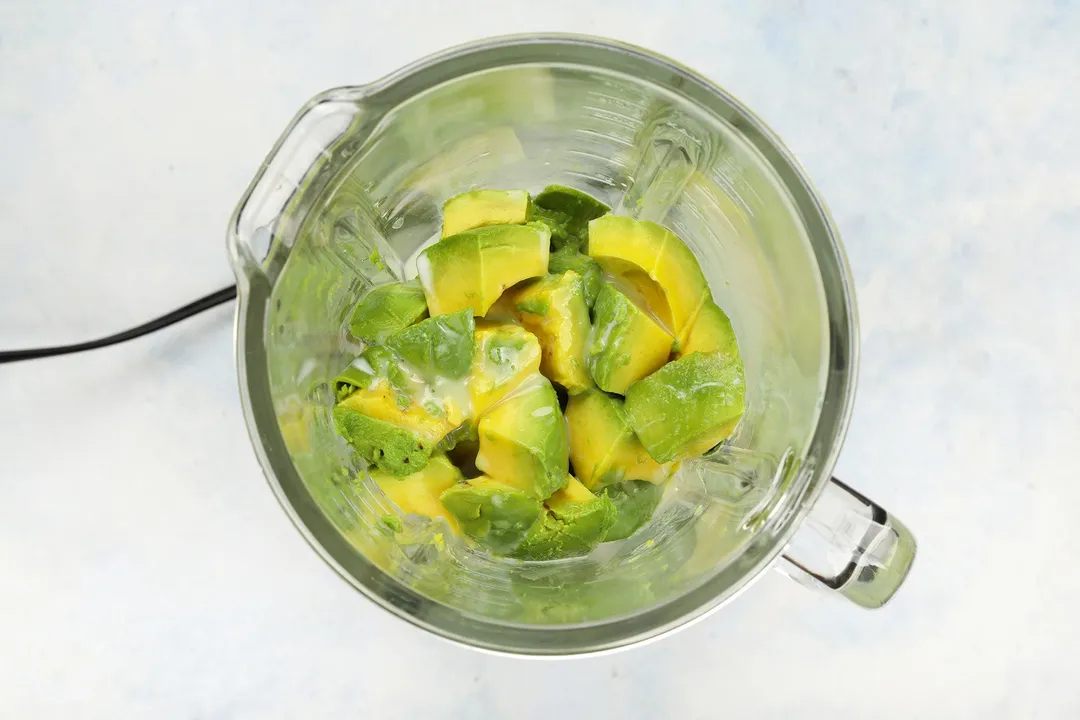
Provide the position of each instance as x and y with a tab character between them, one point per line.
202	304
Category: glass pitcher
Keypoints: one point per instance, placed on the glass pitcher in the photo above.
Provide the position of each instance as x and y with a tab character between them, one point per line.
353	190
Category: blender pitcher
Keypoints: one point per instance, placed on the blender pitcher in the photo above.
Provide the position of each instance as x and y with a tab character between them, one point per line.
353	190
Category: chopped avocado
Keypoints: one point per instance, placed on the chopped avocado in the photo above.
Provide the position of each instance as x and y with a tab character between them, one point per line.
625	344
510	254
440	346
553	308
635	501
603	447
573	210
375	362
526	309
350	379
574	523
495	514
396	436
575	203
392	448
471	269
386	309
687	406
505	356
592	277
419	493
523	440
711	332
480	208
450	273
657	263
561	226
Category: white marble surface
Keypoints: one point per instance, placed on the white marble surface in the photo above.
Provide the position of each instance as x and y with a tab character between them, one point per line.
145	568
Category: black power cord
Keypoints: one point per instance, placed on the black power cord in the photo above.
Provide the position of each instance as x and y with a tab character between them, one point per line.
202	304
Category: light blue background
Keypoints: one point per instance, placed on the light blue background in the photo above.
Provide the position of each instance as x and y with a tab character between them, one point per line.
145	568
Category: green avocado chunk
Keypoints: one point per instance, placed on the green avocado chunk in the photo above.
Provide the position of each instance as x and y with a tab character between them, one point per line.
567	212
523	440
441	346
574	523
711	331
592	277
472	268
603	447
688	405
380	413
635	501
553	309
375	362
390	447
625	343
480	208
387	309
495	515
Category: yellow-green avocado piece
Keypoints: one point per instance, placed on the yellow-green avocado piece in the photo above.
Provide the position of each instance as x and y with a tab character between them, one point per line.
567	211
523	440
505	356
574	522
710	332
655	261
603	446
480	208
553	308
420	492
687	406
387	309
473	268
399	440
592	277
438	347
625	343
494	514
379	412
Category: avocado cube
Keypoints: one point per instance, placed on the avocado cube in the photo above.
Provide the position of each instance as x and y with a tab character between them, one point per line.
660	265
574	522
505	356
710	332
592	277
625	343
439	347
494	514
603	446
480	208
635	501
419	492
560	225
387	309
553	308
382	418
395	449
376	362
687	406
523	440
569	211
472	269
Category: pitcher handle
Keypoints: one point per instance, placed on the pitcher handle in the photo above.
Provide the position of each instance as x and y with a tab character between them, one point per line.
851	546
295	161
